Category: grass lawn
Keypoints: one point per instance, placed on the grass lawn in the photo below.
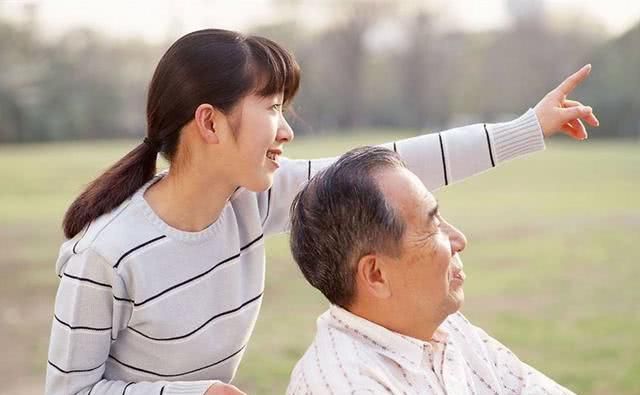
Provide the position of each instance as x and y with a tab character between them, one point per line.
551	262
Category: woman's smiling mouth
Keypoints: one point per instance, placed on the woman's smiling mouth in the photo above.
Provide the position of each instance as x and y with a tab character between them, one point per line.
273	155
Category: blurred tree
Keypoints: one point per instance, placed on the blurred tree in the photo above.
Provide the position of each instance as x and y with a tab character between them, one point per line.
80	86
370	63
511	69
18	48
614	86
426	70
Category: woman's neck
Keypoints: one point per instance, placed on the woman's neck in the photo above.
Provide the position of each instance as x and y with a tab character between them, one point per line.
188	200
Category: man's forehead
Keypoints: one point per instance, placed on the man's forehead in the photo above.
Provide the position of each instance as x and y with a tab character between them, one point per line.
429	200
404	188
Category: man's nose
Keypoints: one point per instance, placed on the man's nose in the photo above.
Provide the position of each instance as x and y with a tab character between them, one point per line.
285	133
457	239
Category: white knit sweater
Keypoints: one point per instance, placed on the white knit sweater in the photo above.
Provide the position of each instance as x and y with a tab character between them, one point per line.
144	308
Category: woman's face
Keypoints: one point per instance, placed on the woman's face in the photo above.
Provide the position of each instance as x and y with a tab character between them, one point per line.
260	133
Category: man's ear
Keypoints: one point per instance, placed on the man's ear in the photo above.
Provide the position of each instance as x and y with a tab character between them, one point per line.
206	118
372	278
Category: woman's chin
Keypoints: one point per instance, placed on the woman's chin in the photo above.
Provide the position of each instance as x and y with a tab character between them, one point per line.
260	184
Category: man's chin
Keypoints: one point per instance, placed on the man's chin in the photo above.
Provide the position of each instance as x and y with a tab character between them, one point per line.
457	300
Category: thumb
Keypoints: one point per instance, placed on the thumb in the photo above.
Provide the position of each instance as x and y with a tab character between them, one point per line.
573	113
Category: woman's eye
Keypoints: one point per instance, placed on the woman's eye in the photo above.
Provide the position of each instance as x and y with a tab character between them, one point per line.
277	106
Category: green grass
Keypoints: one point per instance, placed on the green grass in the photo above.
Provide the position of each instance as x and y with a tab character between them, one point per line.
551	261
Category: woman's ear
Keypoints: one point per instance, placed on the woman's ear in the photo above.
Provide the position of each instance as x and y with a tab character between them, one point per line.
372	278
205	118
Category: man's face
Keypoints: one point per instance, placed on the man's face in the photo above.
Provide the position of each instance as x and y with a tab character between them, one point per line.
427	278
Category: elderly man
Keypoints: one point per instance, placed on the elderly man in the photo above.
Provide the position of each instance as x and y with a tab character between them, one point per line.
369	236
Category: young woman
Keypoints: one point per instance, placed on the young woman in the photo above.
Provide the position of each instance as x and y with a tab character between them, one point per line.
162	276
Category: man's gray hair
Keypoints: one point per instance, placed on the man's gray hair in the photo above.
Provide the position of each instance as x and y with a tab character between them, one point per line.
342	215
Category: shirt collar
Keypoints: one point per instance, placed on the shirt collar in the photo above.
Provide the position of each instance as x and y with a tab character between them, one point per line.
396	346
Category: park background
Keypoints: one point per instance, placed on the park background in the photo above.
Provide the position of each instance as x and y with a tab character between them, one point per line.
551	261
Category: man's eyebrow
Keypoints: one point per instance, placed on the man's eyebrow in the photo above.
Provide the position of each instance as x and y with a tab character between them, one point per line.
433	212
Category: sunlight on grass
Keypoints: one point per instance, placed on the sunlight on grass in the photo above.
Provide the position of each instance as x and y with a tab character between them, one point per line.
551	260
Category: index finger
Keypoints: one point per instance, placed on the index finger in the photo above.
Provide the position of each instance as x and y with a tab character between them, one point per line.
568	85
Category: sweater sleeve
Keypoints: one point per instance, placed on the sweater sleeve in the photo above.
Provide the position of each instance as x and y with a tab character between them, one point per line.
438	159
87	318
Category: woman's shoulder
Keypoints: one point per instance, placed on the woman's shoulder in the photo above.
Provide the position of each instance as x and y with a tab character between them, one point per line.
111	234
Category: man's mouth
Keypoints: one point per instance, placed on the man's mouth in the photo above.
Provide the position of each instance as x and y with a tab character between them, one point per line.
456	270
459	275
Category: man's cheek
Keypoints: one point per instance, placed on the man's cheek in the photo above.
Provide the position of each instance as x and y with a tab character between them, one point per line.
432	248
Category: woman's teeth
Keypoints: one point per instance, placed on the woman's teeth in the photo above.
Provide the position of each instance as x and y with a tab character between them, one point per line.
271	155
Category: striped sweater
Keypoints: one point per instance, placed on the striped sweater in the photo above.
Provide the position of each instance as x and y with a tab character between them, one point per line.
144	308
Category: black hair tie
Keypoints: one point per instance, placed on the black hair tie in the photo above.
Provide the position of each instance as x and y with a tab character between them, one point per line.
155	145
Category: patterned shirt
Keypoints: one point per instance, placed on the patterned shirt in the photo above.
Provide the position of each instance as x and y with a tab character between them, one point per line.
351	355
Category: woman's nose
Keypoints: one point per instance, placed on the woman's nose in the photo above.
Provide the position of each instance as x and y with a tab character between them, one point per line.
285	133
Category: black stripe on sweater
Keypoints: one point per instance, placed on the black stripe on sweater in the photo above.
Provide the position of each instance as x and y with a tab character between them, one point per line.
493	163
178	374
444	162
309	170
125	388
248	302
80	327
137	248
268	206
75	370
395	149
123	299
137	304
252	242
88	280
162	390
96	283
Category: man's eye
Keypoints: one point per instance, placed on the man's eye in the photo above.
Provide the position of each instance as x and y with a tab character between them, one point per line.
277	106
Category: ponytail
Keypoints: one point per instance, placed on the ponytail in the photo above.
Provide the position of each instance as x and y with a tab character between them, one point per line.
112	188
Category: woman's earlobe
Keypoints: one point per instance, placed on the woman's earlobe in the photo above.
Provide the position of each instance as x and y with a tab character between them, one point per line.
205	120
211	136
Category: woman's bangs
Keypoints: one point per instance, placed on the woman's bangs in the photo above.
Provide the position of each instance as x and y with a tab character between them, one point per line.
275	68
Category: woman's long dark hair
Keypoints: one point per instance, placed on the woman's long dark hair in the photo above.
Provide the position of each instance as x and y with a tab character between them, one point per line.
213	66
